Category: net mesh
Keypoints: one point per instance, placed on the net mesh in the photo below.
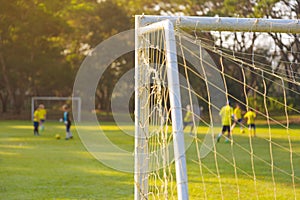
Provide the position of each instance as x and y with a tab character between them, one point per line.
248	69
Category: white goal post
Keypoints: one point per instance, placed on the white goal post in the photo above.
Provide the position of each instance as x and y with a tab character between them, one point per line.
146	98
173	81
75	101
225	23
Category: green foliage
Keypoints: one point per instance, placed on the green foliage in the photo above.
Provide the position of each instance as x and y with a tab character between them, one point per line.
41	42
275	105
27	50
264	7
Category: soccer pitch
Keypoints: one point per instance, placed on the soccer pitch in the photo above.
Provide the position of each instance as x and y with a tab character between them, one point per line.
45	168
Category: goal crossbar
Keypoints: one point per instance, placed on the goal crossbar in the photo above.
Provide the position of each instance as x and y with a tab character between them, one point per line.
226	23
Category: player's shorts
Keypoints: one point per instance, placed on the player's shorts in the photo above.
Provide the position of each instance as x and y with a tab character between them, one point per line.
187	124
43	120
252	126
35	124
68	126
226	128
238	120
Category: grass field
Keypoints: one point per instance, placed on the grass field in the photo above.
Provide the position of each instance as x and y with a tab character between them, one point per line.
45	168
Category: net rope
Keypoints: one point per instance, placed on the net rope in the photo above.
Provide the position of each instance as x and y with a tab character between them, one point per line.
157	114
268	118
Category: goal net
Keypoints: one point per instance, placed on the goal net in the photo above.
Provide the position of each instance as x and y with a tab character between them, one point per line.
53	106
187	70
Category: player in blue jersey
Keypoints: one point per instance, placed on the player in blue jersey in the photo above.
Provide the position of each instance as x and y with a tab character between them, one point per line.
67	121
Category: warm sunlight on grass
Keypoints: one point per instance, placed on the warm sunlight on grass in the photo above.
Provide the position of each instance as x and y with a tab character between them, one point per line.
46	168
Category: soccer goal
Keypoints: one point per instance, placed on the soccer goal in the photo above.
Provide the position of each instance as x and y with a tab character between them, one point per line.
183	64
53	106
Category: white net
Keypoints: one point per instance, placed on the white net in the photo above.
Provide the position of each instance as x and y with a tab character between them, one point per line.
257	71
254	164
155	119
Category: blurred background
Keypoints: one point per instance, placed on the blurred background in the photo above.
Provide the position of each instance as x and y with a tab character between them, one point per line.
44	42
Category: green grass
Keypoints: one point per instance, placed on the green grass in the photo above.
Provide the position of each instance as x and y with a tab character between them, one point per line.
239	152
45	168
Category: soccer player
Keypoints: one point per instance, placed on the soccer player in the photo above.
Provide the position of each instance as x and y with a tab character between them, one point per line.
42	116
226	114
67	122
188	119
250	116
238	118
36	122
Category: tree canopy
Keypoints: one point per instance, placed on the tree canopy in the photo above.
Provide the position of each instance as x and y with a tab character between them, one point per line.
43	42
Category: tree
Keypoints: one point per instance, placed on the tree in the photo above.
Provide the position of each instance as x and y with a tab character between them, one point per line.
106	23
29	48
288	50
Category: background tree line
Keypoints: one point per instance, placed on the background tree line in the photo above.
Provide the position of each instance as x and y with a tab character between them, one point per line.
43	42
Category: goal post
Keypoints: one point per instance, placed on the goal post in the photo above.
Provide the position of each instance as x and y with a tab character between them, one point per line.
175	104
171	59
226	23
56	104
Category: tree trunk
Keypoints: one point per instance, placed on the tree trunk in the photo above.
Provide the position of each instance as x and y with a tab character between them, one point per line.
4	100
5	76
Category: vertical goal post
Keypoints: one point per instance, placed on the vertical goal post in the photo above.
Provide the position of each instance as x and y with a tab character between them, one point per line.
173	79
145	24
75	101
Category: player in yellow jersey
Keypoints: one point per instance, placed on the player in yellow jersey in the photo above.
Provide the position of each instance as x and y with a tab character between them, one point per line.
188	118
36	121
192	117
226	114
250	116
238	118
42	116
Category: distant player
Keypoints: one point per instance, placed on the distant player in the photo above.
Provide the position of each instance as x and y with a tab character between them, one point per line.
188	118
42	113
250	116
67	122
238	118
226	114
36	122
